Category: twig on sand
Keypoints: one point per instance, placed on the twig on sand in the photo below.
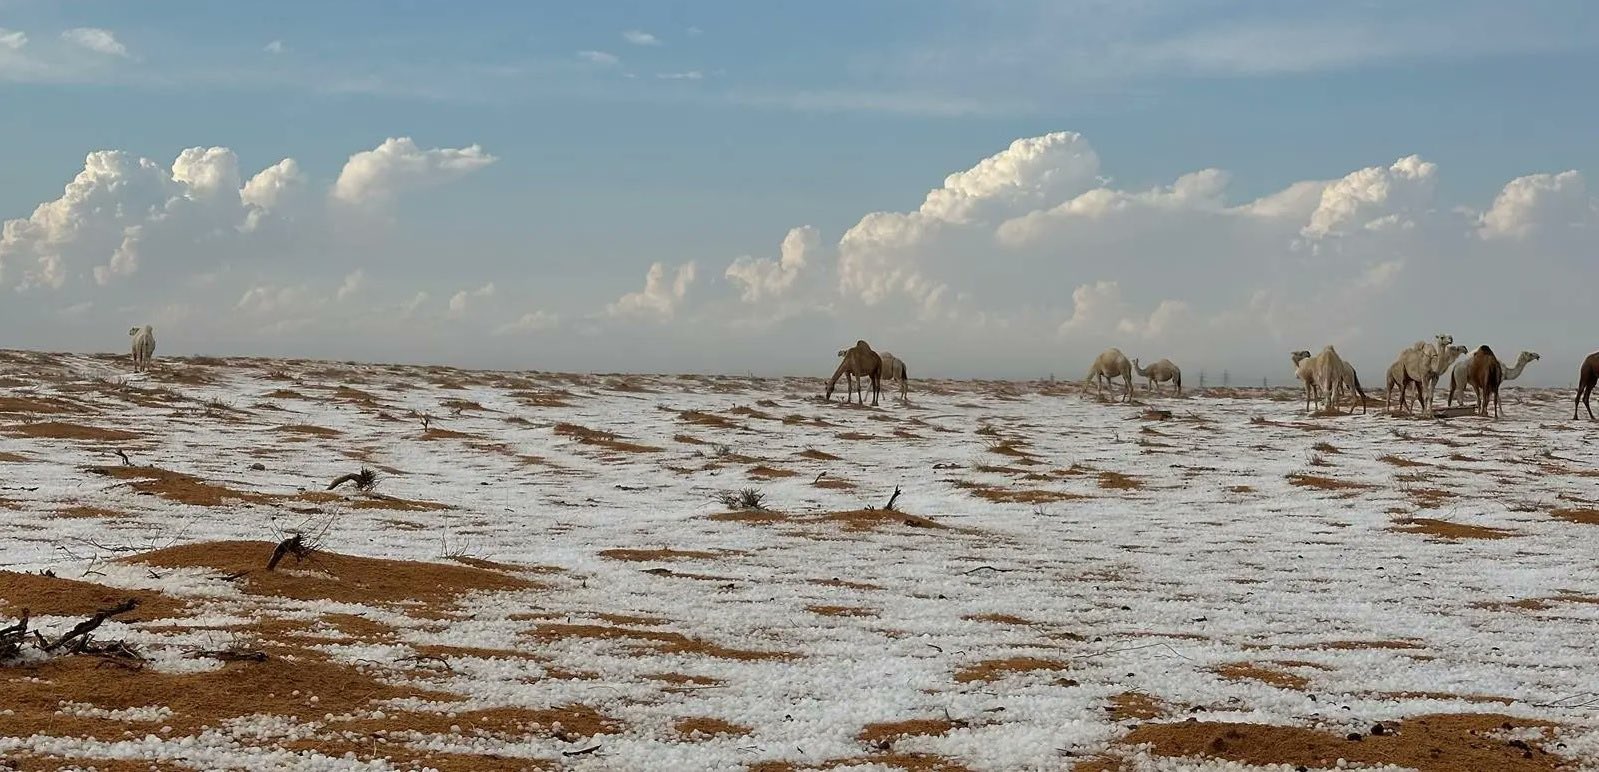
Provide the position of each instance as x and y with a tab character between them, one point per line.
228	655
293	545
82	629
364	480
583	752
989	568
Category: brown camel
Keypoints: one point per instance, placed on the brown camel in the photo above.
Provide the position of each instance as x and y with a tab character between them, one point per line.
859	362
1586	378
1484	373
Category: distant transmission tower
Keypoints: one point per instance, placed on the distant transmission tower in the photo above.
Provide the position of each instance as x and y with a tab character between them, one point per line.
1201	379
1226	378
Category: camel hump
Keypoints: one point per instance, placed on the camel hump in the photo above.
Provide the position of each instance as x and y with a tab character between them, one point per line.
1485	350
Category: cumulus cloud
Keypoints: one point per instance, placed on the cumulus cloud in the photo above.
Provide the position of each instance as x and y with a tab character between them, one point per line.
879	255
461	301
533	321
763	279
275	47
640	38
376	176
659	299
100	41
1374	197
13	39
600	57
1539	201
116	202
688	75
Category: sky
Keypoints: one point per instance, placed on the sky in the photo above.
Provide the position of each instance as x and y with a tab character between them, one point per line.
994	189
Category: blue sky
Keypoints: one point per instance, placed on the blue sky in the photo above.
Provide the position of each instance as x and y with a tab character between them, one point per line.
628	134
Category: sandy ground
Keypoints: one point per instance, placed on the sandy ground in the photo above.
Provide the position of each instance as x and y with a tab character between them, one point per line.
545	575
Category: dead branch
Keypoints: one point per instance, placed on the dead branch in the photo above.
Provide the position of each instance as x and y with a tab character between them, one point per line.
228	655
583	752
988	568
123	456
889	507
88	625
293	545
364	480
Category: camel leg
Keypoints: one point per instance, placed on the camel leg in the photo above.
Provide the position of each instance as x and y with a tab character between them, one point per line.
877	388
1586	395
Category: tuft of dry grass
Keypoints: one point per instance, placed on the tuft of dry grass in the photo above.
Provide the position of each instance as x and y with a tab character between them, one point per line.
1323	483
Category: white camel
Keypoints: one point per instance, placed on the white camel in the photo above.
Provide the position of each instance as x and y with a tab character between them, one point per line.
1108	366
1305	372
1161	372
143	346
1457	376
1422	365
1328	371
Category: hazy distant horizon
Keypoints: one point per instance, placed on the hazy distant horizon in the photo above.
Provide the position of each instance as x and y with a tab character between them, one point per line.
986	191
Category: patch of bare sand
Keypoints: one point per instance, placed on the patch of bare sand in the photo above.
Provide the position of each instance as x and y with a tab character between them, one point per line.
657	555
842	611
41	406
661	641
1250	671
889	731
995	669
1134	706
873	520
601	439
309	431
698	728
764	472
1580	516
1436	743
332	576
1443	529
55	430
1324	483
1010	496
45	595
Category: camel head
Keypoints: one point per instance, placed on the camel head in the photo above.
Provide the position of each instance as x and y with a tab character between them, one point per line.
843	351
1527	356
133	331
1299	356
1444	341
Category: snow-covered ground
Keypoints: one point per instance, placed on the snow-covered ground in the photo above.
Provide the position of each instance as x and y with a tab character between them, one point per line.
1054	557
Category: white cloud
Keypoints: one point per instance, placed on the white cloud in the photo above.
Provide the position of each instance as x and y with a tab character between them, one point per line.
600	57
269	299
12	39
764	279
275	47
353	283
100	41
461	301
1374	197
1539	201
533	321
688	75
373	177
658	299
640	38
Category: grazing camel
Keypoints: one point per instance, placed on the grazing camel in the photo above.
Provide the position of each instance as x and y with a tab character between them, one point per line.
1351	382
1108	366
143	346
1159	373
1485	373
860	362
1457	376
1441	344
893	370
1587	376
1328	370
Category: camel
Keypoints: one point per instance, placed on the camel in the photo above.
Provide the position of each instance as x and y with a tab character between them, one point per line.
1441	344
1306	375
859	362
1351	381
1328	370
143	346
1412	366
1108	366
1587	376
1159	373
1457	376
1422	365
893	370
1484	372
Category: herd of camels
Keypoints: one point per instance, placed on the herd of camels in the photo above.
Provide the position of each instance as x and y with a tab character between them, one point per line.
1325	376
